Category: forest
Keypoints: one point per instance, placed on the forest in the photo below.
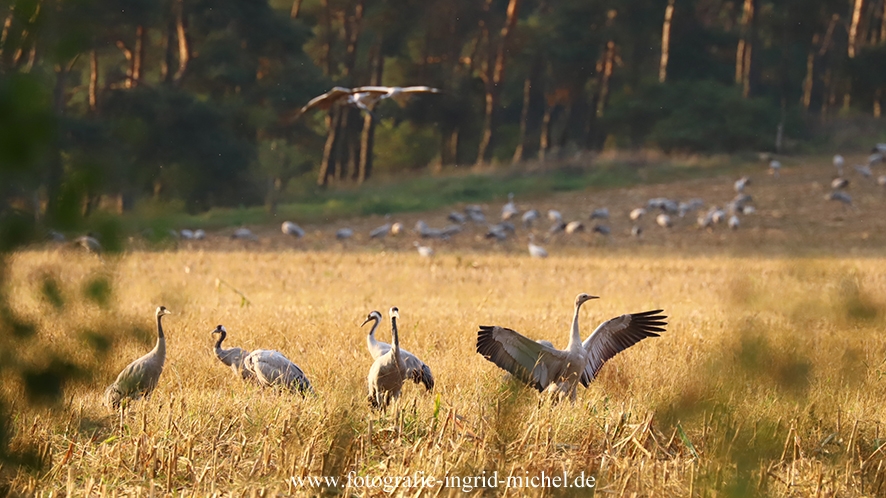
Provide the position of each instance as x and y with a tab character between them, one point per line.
111	103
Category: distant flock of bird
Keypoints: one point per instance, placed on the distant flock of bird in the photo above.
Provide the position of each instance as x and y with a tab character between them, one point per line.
536	363
665	213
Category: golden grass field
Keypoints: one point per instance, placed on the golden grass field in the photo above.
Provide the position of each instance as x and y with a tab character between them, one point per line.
772	367
769	380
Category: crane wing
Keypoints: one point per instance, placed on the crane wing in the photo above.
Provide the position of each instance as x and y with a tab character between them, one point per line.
420	89
534	363
417	370
617	334
271	367
326	100
375	90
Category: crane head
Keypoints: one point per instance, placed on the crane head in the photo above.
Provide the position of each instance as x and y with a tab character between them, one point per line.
220	330
394	313
374	315
581	298
163	311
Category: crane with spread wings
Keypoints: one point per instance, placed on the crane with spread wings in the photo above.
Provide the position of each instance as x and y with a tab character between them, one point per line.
558	372
364	97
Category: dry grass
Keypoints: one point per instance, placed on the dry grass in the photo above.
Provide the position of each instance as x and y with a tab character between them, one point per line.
768	380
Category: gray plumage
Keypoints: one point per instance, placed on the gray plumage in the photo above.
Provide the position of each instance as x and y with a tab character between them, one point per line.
509	210
344	233
529	217
637	213
273	369
535	250
88	243
600	214
840	196
290	228
558	372
416	369
456	217
380	232
839	183
232	357
140	377
388	371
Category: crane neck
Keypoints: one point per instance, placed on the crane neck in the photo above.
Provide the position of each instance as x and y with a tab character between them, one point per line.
160	327
221	337
575	337
396	337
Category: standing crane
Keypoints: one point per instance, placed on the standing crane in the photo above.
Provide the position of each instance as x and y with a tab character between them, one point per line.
388	371
416	369
140	377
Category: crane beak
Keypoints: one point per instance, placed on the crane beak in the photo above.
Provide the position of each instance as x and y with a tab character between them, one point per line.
366	321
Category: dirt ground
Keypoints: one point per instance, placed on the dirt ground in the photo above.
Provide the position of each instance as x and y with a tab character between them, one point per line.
792	217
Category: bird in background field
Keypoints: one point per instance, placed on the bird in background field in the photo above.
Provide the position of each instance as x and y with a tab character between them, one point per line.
344	233
509	210
529	217
839	196
363	98
273	369
416	369
535	250
839	183
388	371
637	213
663	220
380	232
140	377
558	372
600	214
838	163
741	183
244	234
232	357
423	251
88	243
774	167
290	228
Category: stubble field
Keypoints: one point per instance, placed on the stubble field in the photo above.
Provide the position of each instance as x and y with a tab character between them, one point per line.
767	380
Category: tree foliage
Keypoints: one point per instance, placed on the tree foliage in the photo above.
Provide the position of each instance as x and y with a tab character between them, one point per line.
188	100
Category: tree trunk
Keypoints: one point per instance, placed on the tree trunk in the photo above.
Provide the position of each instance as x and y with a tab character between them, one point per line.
138	55
544	142
326	49
54	168
605	76
493	84
809	80
367	136
184	51
296	8
665	42
93	81
168	60
524	119
327	165
341	143
745	48
853	28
